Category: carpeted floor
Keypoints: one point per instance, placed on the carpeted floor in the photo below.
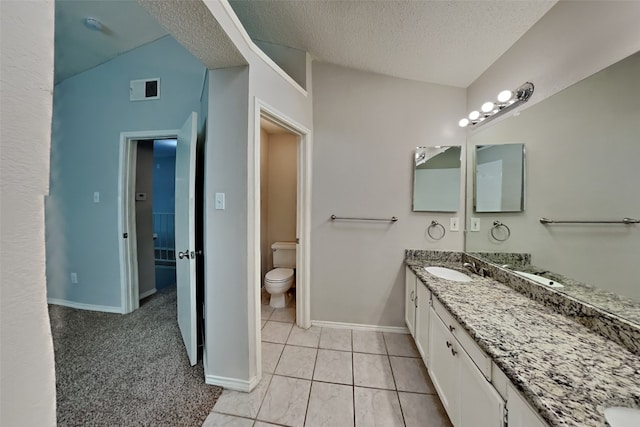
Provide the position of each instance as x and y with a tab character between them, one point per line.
126	370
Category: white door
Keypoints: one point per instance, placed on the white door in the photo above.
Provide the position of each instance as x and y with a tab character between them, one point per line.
186	236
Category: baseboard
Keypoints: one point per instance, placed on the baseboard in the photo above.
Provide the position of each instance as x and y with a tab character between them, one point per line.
148	293
81	306
361	327
232	383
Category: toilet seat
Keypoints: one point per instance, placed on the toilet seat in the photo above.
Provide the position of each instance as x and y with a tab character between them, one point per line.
279	275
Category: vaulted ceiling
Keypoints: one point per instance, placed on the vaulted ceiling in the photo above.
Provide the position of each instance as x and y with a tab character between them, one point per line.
444	42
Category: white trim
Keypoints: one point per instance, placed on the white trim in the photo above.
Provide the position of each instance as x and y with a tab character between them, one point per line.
148	293
129	298
257	51
303	260
81	306
361	327
232	383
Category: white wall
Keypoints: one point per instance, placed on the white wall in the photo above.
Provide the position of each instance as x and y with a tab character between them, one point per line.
582	164
292	61
27	388
366	128
572	41
234	319
90	111
282	180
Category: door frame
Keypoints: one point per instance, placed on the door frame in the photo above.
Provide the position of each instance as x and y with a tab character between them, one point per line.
303	224
129	291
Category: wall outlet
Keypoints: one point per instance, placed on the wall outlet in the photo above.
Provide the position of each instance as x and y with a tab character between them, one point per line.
96	197
475	224
455	224
74	278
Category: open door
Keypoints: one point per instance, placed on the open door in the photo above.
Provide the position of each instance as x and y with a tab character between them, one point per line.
185	235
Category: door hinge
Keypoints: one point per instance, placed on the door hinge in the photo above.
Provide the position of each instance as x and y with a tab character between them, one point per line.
125	235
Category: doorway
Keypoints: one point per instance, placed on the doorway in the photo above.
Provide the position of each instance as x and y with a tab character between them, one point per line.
263	111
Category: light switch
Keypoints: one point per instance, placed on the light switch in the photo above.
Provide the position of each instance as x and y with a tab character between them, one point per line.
475	224
455	224
96	197
220	201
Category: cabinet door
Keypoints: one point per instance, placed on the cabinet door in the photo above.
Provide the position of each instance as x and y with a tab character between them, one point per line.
443	365
409	300
520	413
481	405
423	296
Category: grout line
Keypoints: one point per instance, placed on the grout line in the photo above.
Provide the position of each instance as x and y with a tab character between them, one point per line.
315	363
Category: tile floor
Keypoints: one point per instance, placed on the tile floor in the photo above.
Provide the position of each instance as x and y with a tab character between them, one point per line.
332	377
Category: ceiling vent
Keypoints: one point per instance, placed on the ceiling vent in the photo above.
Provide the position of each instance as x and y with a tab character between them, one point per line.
145	89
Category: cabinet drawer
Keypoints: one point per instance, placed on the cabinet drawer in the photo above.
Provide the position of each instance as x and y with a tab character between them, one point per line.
477	355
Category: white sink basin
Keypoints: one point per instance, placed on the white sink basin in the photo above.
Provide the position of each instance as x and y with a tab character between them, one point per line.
618	416
448	274
540	279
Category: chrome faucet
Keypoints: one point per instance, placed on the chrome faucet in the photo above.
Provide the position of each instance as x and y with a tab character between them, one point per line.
474	269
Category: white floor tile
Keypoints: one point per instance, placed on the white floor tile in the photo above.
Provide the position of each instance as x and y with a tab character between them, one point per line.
423	410
263	424
270	356
400	345
276	332
375	407
297	362
334	367
266	311
286	401
372	370
330	405
287	314
410	375
336	339
368	342
305	337
220	420
241	403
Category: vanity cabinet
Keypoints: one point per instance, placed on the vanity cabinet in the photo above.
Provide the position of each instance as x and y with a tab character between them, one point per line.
416	314
463	386
409	300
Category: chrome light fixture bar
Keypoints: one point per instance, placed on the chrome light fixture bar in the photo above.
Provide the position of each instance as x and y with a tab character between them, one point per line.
507	100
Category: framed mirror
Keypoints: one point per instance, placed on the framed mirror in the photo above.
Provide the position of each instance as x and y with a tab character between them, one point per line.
499	178
436	179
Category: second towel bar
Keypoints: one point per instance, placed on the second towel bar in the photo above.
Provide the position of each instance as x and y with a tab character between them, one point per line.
546	221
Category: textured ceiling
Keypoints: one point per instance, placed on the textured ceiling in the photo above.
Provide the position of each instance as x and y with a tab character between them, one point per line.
129	24
77	48
444	42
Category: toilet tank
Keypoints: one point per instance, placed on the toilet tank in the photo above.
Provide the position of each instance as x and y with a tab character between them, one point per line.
284	254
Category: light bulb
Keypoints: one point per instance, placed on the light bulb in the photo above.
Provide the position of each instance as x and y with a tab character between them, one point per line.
463	123
487	107
474	115
505	96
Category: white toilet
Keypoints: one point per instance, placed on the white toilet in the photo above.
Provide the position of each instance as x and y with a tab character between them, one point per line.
279	280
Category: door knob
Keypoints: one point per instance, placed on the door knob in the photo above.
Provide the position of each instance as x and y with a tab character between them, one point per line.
184	254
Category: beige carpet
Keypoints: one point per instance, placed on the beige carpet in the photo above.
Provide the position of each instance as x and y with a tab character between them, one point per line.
127	370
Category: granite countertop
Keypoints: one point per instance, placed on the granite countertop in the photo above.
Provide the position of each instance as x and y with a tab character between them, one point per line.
566	371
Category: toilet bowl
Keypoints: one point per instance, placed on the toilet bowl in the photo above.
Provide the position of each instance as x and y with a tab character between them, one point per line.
277	282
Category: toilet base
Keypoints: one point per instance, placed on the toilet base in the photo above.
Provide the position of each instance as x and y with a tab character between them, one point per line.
280	301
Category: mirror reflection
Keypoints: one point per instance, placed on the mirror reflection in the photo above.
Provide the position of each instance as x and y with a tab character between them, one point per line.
499	178
436	179
582	155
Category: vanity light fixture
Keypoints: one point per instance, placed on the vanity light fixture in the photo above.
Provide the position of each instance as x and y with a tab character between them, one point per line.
507	100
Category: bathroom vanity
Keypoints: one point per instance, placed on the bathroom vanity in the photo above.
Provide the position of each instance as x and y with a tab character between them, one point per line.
497	357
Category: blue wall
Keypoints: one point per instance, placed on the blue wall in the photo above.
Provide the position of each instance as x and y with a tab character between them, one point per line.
90	111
